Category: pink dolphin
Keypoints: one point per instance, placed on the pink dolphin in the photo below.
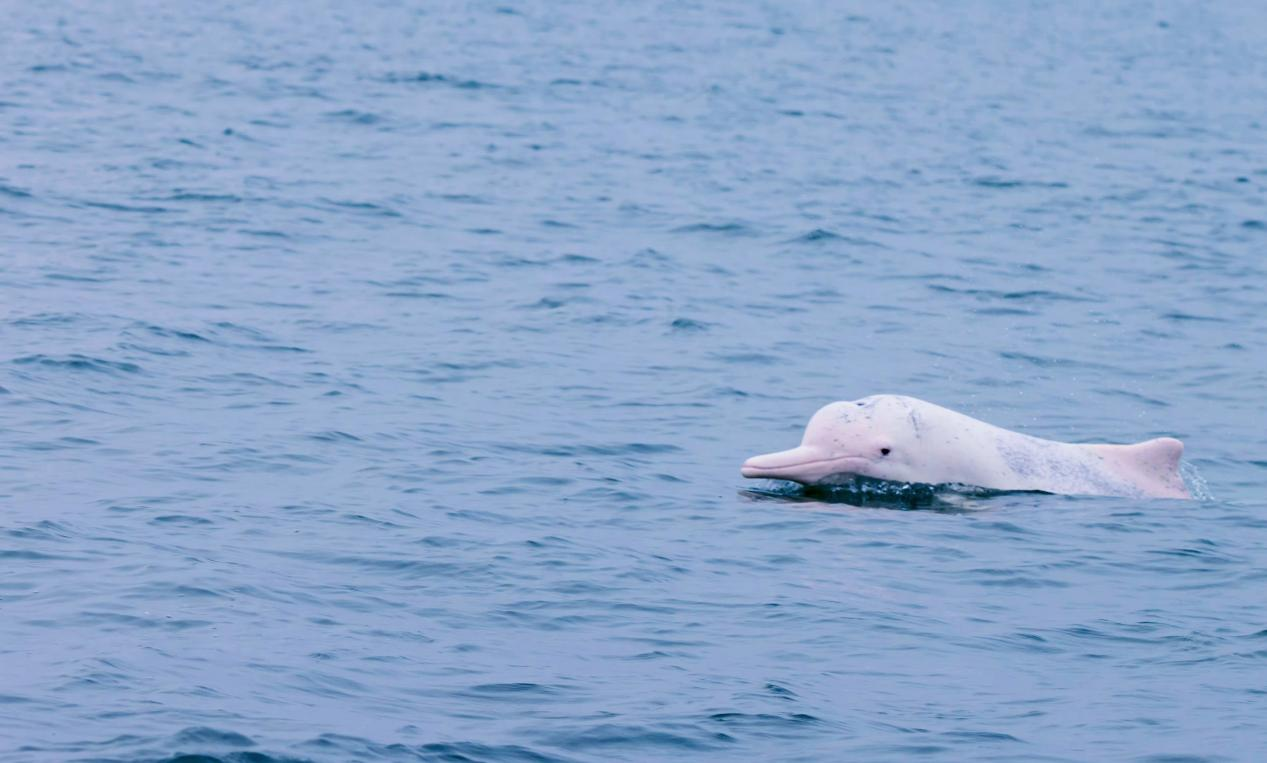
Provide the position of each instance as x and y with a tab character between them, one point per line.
891	437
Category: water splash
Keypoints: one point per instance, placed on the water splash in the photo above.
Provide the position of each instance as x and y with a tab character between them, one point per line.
1195	481
867	491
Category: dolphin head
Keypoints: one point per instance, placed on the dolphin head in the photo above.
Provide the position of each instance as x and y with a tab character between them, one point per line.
868	438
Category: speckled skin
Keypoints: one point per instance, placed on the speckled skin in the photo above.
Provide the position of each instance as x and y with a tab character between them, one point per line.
904	439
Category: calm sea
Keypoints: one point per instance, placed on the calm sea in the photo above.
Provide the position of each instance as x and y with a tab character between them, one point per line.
374	378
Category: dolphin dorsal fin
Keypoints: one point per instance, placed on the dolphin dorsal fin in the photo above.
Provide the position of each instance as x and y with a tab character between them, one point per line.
1155	464
1159	454
1152	465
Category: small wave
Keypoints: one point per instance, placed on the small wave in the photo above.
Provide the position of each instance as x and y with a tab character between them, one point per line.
207	197
685	325
1011	578
433	78
1023	295
767	724
75	362
14	192
74	278
994	181
28	555
668	738
818	234
750	358
722	229
821	236
170	333
49	319
367	207
343	747
1044	362
205	735
334	435
1181	316
622	449
865	491
355	117
513	692
113	207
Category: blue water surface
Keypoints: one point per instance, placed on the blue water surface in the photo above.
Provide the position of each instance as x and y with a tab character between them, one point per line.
374	378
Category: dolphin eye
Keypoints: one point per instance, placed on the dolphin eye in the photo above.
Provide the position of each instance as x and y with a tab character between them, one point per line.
884	451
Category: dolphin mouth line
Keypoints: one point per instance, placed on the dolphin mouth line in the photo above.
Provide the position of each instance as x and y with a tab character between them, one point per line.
775	471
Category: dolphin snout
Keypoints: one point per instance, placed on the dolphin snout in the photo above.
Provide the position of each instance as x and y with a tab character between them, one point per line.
784	465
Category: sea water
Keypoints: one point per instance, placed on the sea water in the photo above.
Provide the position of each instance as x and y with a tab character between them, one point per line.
374	378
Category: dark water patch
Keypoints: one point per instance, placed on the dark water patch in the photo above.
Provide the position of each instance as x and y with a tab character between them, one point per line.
201	735
62	443
74	277
1182	317
418	295
618	449
818	234
334	436
475	365
1012	579
14	192
516	692
995	181
42	320
76	362
43	530
825	237
112	622
406	568
1134	396
115	207
1028	295
660	739
865	491
736	229
1182	758
353	116
974	737
210	198
29	555
1003	311
750	358
171	333
1206	555
280	348
1046	362
54	68
577	259
153	350
232	757
789	726
369	208
433	78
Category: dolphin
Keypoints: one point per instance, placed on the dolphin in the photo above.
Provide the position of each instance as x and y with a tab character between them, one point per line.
904	439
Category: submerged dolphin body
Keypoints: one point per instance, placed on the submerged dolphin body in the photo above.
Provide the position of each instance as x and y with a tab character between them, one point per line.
903	439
